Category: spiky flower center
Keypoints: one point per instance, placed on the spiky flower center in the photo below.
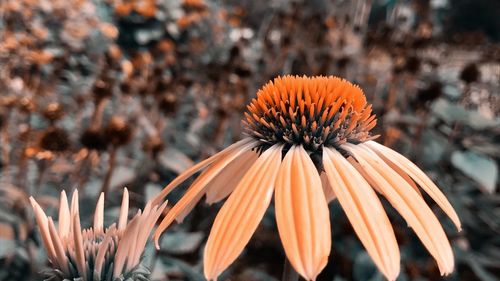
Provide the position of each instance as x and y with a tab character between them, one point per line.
311	111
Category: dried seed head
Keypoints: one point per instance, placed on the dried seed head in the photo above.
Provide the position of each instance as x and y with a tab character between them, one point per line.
53	111
26	105
118	132
3	118
8	101
470	73
412	64
194	5
315	112
93	139
168	103
102	89
55	140
154	145
126	88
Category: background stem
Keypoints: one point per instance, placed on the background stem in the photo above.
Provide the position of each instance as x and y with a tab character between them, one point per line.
289	273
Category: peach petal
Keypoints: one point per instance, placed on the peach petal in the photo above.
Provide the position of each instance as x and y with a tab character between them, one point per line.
196	191
419	177
364	211
194	169
241	213
408	203
225	182
302	214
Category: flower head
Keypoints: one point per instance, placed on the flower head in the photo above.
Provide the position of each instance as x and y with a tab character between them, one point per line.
309	142
312	112
96	253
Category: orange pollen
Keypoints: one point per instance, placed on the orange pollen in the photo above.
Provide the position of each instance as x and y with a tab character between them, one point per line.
312	111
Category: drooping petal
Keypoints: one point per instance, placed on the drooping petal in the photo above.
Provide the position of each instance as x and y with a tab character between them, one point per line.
225	179
302	214
408	203
64	215
364	211
363	173
241	213
194	169
225	182
402	173
122	219
99	214
145	230
418	176
196	190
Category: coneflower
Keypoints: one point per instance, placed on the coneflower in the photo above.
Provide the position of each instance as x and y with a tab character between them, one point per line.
96	253
308	142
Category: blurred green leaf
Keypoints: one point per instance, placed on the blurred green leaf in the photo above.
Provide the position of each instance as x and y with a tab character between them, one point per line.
7	247
480	168
365	269
452	113
191	273
181	242
121	176
151	190
175	160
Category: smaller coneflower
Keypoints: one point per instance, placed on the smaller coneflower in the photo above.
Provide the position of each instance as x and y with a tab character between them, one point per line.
96	253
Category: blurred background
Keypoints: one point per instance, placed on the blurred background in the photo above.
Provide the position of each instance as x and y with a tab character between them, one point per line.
102	94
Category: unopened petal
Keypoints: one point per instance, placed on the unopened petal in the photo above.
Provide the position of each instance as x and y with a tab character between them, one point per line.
74	208
78	240
101	254
61	258
42	221
122	219
99	214
64	215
